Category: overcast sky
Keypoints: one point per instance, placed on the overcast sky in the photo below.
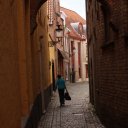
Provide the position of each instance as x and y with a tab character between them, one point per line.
75	5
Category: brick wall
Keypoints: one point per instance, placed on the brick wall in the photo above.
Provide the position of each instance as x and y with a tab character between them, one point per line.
109	68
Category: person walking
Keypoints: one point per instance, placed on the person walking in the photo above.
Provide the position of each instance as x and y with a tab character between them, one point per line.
60	85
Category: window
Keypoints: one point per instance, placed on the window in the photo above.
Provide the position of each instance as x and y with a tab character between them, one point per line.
106	17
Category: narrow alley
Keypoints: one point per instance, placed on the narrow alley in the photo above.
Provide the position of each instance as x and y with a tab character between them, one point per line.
76	113
85	42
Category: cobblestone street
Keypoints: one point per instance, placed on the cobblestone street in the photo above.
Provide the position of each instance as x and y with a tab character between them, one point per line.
76	113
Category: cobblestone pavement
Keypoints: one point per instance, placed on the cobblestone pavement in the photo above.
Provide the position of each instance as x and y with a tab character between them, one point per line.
76	113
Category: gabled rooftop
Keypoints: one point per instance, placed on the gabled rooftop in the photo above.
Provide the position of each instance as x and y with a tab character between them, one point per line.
73	20
73	16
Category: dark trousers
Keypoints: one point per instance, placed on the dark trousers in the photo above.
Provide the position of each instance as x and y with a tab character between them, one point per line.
61	95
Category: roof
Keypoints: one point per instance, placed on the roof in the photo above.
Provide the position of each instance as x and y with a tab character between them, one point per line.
73	16
73	20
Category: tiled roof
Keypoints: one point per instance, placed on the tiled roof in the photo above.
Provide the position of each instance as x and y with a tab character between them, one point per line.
73	17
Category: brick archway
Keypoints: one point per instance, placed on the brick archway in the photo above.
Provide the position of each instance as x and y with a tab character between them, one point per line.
34	6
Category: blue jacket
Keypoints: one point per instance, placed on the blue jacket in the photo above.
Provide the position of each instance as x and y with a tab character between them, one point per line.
60	83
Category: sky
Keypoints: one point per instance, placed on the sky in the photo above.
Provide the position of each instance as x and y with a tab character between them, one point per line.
75	5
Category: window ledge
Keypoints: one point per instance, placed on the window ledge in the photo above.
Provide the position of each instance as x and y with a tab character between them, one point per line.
108	45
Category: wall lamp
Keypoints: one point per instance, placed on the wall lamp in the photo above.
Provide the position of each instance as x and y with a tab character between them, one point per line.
58	34
59	31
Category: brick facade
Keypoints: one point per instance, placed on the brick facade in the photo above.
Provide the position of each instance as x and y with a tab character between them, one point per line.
107	33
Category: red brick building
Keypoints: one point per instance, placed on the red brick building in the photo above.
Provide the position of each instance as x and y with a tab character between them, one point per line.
55	43
107	33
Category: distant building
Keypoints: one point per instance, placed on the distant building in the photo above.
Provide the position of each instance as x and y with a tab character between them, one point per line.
75	38
58	53
52	11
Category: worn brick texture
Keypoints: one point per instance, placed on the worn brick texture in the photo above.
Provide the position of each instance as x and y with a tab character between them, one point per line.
109	62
